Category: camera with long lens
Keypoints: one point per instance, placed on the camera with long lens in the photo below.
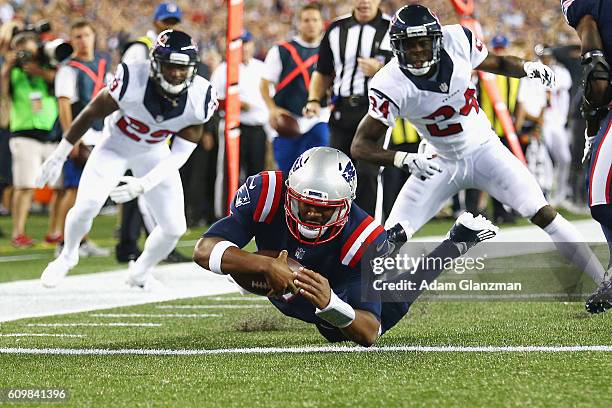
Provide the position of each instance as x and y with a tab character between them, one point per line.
51	52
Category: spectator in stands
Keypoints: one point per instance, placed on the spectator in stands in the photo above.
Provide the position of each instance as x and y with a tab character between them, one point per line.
76	83
289	66
26	84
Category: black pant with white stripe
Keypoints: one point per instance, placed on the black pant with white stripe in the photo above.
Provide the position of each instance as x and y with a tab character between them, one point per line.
342	127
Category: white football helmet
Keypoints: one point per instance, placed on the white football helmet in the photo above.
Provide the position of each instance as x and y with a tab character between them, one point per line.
323	177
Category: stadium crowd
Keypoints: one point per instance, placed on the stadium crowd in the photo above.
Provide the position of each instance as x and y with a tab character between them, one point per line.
518	24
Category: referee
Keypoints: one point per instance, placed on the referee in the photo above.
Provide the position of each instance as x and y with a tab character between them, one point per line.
353	49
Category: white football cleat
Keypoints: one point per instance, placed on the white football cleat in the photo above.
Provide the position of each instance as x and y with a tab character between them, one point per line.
142	280
470	230
55	271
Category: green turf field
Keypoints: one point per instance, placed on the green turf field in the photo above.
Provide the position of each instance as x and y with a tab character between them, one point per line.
230	325
321	379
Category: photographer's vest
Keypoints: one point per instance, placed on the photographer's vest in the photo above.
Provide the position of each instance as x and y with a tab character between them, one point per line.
298	64
33	106
90	81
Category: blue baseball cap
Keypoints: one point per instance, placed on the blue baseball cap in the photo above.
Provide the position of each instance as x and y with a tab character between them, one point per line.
167	10
500	41
246	36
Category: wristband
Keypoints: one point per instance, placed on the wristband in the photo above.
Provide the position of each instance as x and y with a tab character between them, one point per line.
314	100
63	148
337	313
214	260
398	159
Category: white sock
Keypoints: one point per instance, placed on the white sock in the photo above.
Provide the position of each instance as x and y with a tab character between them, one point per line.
157	247
572	245
78	223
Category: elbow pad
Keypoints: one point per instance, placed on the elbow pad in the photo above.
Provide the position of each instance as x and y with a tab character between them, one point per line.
596	68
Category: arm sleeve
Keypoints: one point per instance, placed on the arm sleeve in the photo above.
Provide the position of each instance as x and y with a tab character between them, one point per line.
325	64
211	103
382	104
239	226
478	50
136	52
65	83
118	85
273	65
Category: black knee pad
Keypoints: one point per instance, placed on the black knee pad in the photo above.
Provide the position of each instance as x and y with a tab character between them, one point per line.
602	214
544	216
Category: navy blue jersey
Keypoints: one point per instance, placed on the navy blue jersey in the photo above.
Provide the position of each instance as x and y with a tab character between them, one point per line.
601	10
258	211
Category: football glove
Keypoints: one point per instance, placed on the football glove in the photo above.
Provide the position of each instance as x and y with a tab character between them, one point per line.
535	69
52	167
418	164
132	188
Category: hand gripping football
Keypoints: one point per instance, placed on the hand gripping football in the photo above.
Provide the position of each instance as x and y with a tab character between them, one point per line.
256	283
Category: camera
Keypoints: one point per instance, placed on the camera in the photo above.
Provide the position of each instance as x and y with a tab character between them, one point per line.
50	52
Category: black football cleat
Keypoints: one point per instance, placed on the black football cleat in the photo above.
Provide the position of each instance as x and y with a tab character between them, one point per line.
396	234
469	230
601	299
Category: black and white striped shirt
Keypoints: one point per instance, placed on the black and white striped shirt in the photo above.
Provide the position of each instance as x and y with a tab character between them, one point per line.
344	41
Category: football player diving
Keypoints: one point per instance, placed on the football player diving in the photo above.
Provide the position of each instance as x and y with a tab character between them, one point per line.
310	216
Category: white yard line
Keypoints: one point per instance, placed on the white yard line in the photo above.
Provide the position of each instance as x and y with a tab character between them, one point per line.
219	306
238	298
40	335
118	324
319	349
154	315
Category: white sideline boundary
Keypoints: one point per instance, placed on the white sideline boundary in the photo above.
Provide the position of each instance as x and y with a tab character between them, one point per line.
118	324
174	315
314	349
219	306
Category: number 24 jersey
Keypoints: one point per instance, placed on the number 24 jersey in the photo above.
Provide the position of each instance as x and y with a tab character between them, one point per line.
444	108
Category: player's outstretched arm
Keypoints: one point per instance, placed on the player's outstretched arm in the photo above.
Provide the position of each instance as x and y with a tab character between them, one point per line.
359	326
100	107
364	146
223	257
516	67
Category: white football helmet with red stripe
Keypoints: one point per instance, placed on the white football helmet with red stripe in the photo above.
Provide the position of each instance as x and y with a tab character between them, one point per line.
321	177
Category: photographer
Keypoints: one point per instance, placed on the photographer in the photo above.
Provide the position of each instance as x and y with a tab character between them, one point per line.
27	86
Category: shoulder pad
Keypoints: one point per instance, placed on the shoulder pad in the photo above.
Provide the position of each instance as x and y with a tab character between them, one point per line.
360	232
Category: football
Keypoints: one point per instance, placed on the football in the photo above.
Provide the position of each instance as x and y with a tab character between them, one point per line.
80	154
256	283
286	125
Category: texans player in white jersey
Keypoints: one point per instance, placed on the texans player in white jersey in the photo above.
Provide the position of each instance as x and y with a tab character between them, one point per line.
429	83
147	102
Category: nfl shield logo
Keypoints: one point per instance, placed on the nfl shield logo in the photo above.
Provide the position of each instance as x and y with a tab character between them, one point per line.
444	87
